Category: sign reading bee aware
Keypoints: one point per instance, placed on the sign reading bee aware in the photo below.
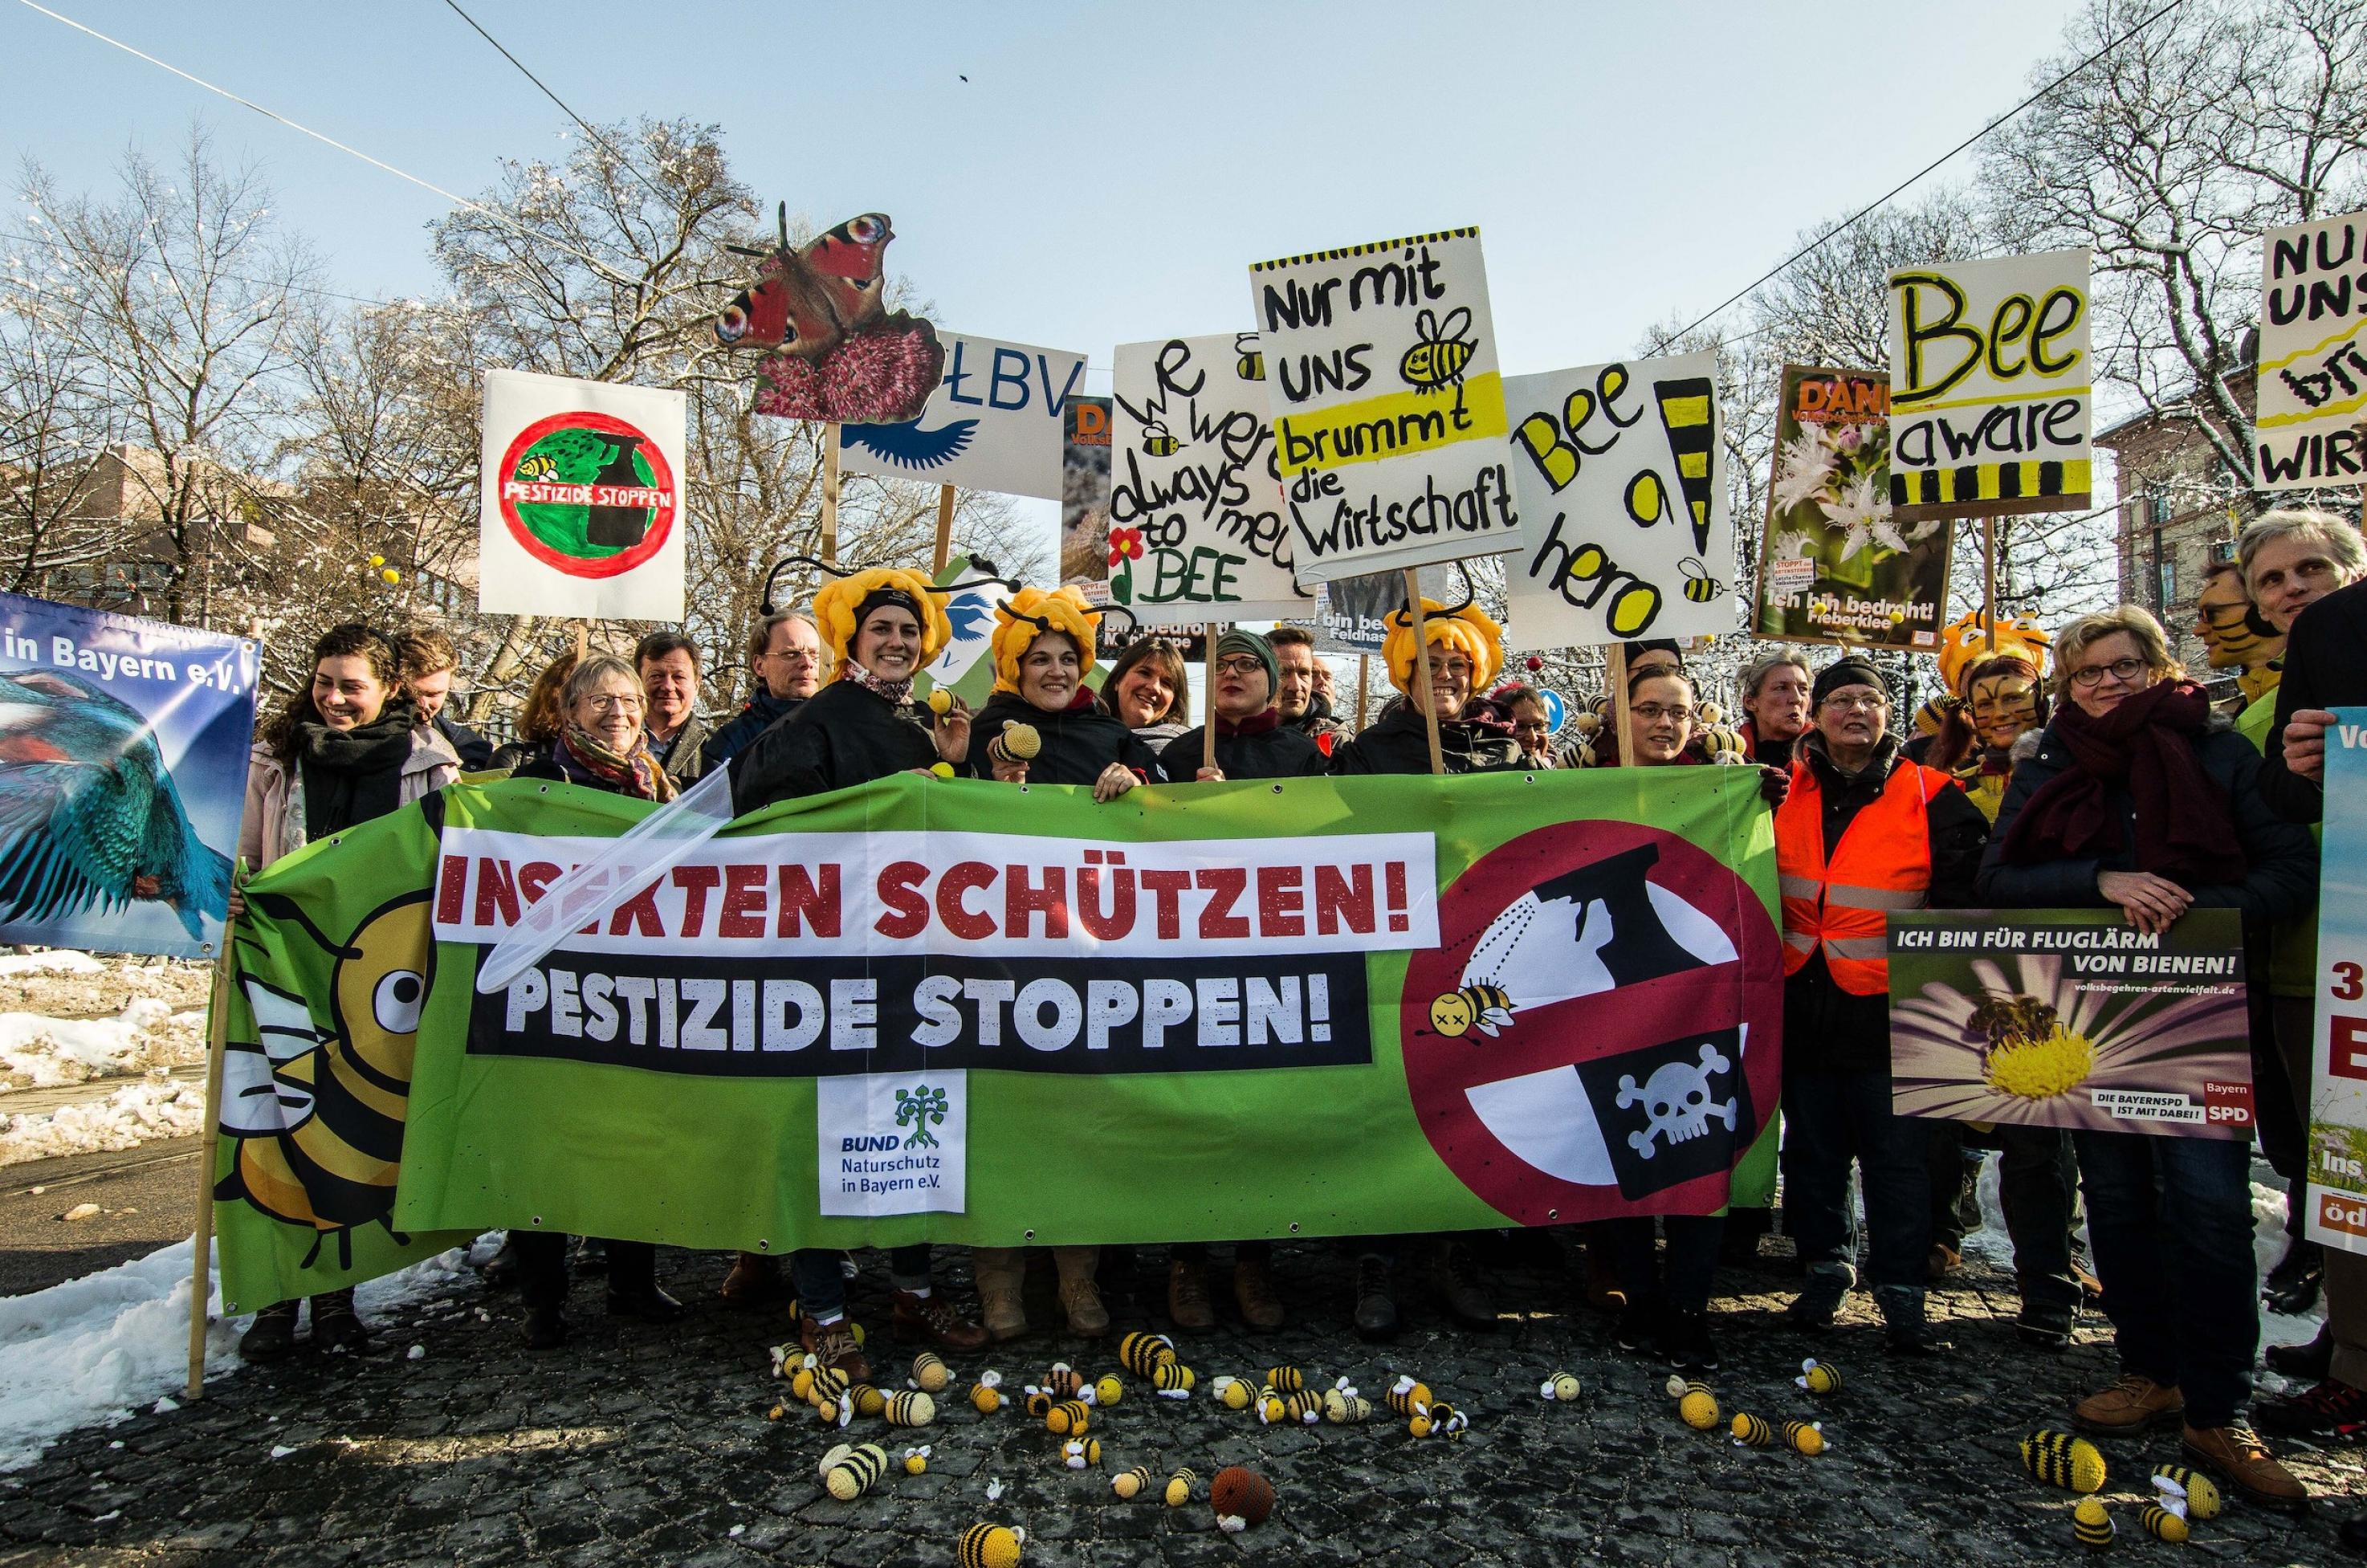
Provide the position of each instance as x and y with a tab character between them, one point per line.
1388	404
1990	386
997	421
1198	531
1620	474
2312	393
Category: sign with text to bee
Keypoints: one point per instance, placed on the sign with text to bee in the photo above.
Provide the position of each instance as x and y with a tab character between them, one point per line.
581	504
1388	404
1619	472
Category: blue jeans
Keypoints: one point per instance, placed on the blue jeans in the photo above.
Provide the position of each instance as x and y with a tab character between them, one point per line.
1830	1120
2170	1222
821	1287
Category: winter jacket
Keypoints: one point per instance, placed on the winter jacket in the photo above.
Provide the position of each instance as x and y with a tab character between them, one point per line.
1080	743
2325	667
273	824
843	736
476	752
2293	942
683	758
1399	742
764	711
1262	750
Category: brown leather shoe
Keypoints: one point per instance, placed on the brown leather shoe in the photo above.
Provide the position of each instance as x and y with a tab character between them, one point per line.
1081	1299
1187	1296
2240	1457
934	1318
754	1281
1253	1293
1001	1275
1944	1261
836	1346
2130	1405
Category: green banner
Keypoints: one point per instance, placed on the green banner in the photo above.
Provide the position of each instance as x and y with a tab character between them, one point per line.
960	1011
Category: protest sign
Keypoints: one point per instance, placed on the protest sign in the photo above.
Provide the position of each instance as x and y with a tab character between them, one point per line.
1619	472
1350	610
123	761
1552	999
997	421
2337	1104
2312	391
1386	403
1085	490
1835	565
818	313
1990	386
2071	1018
580	508
1196	529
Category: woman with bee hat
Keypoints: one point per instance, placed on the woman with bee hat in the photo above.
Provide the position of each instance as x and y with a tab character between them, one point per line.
881	625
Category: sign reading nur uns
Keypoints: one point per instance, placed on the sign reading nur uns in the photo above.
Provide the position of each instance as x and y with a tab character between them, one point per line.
893	1142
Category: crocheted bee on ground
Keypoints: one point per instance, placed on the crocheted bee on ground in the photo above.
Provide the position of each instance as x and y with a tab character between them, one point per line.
1172	1380
1806	1437
2091	1527
990	1546
1108	1389
1241	1497
1068	1417
1561	1385
2061	1459
1232	1393
1302	1407
1064	1381
1440	1420
2159	1522
986	1395
1080	1453
1819	1378
1346	1408
868	1402
2175	1484
1039	1402
1132	1483
1405	1394
857	1469
1284	1379
916	1461
929	1374
1141	1353
1697	1408
1751	1431
909	1407
1180	1487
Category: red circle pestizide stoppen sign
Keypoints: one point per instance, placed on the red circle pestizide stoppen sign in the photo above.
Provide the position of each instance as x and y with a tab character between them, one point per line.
661	497
1532	1119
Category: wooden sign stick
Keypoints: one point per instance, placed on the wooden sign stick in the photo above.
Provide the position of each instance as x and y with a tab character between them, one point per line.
1988	581
945	527
1209	718
1422	670
201	1232
1363	681
830	496
1614	669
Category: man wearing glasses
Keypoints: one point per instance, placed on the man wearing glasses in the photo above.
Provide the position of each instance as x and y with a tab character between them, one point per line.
1863	832
786	653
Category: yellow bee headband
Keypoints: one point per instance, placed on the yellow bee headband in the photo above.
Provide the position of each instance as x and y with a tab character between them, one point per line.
1470	630
838	606
1028	614
1963	643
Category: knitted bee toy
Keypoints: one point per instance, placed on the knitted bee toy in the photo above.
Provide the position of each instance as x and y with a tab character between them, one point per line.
1068	1418
1561	1385
1108	1389
2181	1490
1180	1487
2061	1459
929	1374
1064	1381
1754	1432
990	1546
1697	1408
1132	1483
916	1461
1241	1497
1141	1354
1232	1393
1817	1378
853	1468
1346	1408
2159	1522
909	1407
1172	1380
1078	1453
1284	1379
869	1403
1440	1420
1806	1437
2091	1527
1405	1394
986	1395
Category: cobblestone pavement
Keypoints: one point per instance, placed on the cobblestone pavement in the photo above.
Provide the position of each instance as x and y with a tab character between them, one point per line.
638	1446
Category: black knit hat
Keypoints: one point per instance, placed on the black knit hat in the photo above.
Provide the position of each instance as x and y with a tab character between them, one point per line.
1847	671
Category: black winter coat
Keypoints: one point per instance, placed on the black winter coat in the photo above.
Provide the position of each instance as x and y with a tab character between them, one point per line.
1078	743
842	736
2325	667
1279	753
764	711
1399	742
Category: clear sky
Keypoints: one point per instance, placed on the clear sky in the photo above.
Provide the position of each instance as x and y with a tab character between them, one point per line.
1107	173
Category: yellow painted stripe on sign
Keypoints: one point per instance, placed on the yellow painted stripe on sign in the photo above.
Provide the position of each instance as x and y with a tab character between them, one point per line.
1350	253
1685	411
1391	426
2303	416
1694	465
2313	349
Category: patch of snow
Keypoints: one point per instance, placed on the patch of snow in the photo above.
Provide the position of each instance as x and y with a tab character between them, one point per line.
280	1451
39	1052
137	1113
51	961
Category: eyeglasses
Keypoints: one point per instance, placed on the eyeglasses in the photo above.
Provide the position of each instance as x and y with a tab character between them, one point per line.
1653	713
2124	671
1243	664
1856	705
614	703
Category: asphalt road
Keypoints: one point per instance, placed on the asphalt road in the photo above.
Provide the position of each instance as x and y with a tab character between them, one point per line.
144	1194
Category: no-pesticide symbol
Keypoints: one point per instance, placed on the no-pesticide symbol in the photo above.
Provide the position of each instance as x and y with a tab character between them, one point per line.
1581	1038
587	493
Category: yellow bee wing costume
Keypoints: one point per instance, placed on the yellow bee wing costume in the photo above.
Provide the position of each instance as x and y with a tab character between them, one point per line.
1066	611
835	602
1469	631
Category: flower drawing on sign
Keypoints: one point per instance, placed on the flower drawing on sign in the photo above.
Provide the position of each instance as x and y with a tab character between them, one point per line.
918	1109
1125	549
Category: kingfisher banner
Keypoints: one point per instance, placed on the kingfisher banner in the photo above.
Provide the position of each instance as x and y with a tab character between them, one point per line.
938	1009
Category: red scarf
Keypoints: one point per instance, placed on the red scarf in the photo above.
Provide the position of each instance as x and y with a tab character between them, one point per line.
1256	724
584	760
2185	827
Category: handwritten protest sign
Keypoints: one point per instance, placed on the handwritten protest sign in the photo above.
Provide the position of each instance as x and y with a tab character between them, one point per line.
1619	473
1388	404
1196	525
2313	385
1990	392
997	421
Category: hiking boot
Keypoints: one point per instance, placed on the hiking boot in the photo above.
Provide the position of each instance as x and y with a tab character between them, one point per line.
835	1344
2331	1410
272	1335
546	1328
1943	1261
1454	1274
754	1280
1377	1299
1254	1293
1080	1298
647	1304
2293	1286
336	1331
931	1317
1187	1294
2130	1405
1685	1341
1820	1298
2239	1457
1001	1275
2314	1361
1906	1329
2045	1325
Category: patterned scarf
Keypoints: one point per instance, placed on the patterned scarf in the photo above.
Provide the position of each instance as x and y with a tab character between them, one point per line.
584	760
896	693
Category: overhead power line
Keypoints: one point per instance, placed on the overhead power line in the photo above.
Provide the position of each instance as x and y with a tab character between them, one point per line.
609	147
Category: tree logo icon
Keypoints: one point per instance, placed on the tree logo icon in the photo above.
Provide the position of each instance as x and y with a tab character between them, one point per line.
919	1109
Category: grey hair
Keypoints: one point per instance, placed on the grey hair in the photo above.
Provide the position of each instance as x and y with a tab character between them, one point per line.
2340	539
1755	673
590	672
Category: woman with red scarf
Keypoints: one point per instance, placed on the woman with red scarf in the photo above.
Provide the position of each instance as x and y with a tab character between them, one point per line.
2140	796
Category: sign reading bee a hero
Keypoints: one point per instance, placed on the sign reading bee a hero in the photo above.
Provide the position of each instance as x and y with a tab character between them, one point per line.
1388	404
1990	386
581	511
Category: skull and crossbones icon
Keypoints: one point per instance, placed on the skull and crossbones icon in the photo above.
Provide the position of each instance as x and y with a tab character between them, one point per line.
1676	1100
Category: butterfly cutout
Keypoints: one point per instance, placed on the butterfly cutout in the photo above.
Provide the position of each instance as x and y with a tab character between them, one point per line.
809	300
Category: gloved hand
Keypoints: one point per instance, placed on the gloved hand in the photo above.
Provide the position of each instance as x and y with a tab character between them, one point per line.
1774	783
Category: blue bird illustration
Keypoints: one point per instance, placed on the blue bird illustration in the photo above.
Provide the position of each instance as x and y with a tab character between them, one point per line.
968	614
89	816
910	447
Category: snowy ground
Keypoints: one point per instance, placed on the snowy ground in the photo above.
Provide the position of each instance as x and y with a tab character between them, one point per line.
119	1025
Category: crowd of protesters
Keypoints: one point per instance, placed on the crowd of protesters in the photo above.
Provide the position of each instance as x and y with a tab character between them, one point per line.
2083	769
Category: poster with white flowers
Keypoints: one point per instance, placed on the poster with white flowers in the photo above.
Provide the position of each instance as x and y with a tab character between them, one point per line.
1834	565
1619	476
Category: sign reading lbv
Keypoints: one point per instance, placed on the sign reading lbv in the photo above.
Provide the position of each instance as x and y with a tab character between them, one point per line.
997	421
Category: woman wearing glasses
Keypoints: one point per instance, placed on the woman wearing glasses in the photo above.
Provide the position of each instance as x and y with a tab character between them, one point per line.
2141	796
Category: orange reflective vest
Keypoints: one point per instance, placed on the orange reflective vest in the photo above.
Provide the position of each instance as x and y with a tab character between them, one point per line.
1884	863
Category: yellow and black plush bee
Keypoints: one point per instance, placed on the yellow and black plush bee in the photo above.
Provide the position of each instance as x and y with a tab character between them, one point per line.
2061	1459
1806	1437
1441	352
2199	1493
986	1394
829	1386
1064	1381
1818	1377
1080	1453
929	1373
1251	366
858	1470
1039	1402
1172	1380
1179	1487
2091	1527
1440	1420
1751	1430
1156	442
1700	587
1284	1379
1132	1483
1406	1395
1484	1008
910	1407
2161	1523
1068	1417
916	1461
1346	1408
868	1401
1143	1353
990	1546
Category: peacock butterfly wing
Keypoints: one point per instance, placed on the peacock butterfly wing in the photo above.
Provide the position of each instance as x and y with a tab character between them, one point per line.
782	309
849	268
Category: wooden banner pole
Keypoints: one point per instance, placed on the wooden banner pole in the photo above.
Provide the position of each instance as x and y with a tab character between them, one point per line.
1614	669
1364	683
945	527
1209	710
1421	670
1988	581
582	639
201	1231
830	496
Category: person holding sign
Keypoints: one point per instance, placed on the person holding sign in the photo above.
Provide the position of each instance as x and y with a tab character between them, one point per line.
2137	796
881	626
1863	831
1466	651
347	748
1251	740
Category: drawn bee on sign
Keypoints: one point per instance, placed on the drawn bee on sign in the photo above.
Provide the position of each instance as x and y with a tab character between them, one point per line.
1436	362
1251	366
1633	607
1700	586
1156	442
1456	1013
540	466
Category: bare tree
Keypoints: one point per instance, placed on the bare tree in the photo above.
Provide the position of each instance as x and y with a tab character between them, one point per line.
56	425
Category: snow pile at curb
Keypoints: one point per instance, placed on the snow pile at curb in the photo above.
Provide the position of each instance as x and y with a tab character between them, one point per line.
37	1052
134	1114
51	961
